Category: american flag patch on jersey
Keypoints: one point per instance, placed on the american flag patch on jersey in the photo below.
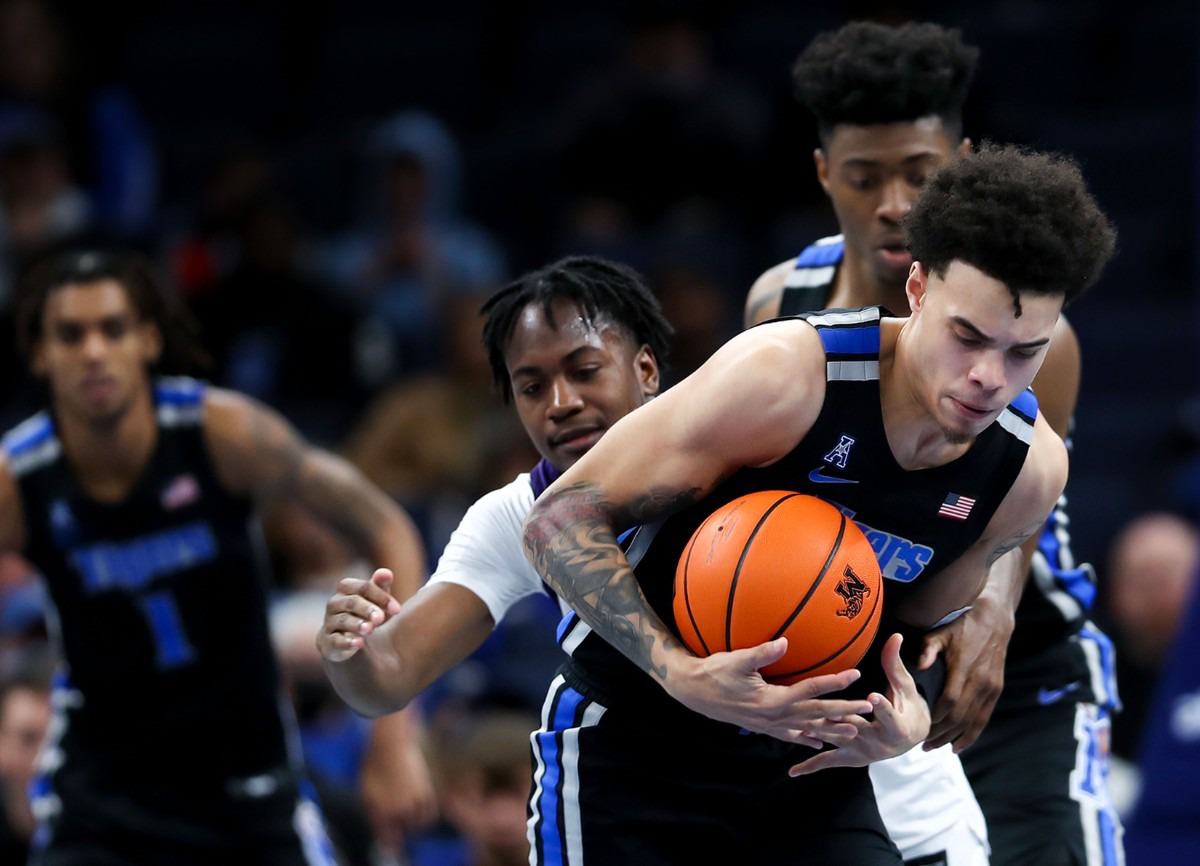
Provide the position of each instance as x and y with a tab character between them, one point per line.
958	507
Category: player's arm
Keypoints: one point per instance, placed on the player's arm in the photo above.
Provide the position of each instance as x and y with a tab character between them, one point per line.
975	645
766	295
993	566
747	406
257	453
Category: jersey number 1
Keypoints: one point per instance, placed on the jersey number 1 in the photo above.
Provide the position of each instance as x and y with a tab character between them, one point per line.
166	625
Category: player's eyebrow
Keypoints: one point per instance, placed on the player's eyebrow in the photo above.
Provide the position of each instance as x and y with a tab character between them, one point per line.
534	370
864	162
984	338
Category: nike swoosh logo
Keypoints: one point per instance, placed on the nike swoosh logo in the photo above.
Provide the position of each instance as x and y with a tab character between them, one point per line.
817	476
1051	696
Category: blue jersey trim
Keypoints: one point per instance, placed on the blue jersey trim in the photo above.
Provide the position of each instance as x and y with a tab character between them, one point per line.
550	747
851	341
28	435
820	255
1026	404
179	391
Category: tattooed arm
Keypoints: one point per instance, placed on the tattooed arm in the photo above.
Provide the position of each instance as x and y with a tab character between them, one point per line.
748	406
257	453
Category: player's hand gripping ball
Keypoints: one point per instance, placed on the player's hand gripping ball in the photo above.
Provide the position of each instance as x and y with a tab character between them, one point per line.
772	564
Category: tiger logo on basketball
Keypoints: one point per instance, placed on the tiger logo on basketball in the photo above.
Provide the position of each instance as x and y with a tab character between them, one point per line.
854	591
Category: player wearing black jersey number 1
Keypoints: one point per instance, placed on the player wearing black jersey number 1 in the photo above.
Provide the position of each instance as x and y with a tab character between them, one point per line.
135	496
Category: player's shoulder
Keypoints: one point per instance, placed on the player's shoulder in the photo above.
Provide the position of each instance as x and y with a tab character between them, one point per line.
504	505
766	294
30	445
1038	485
179	401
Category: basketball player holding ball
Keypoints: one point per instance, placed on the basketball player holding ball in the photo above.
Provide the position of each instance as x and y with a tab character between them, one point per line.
888	105
918	428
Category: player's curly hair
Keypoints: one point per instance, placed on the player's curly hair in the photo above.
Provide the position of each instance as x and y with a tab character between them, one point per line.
1024	218
602	289
867	73
182	351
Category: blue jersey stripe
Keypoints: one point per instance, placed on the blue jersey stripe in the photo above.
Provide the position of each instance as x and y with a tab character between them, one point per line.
179	391
28	435
851	341
565	624
1026	404
820	255
550	747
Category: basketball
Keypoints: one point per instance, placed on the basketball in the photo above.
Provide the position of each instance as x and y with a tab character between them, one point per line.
780	564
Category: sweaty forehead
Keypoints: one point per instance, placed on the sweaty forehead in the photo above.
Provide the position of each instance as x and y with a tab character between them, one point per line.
568	326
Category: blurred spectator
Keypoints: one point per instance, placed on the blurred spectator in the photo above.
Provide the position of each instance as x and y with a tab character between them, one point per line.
482	761
24	720
40	206
662	131
1165	825
433	441
107	146
203	248
1152	565
411	249
274	333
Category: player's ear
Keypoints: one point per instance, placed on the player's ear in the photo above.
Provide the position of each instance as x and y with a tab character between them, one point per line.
822	169
915	287
646	369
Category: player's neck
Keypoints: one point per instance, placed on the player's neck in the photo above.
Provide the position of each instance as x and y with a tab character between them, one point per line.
108	458
916	440
857	286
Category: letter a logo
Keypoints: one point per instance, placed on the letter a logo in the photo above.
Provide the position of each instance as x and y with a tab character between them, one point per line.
841	454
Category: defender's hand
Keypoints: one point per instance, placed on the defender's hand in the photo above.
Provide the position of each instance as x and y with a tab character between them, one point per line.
974	646
354	612
899	722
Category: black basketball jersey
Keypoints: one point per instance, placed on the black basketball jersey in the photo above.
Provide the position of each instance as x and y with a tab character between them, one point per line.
918	522
1061	592
159	605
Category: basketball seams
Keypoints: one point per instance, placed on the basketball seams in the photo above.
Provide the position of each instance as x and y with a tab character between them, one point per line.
749	543
730	589
687	601
816	583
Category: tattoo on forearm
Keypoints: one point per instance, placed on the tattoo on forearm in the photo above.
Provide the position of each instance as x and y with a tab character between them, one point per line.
311	477
1014	542
570	540
278	447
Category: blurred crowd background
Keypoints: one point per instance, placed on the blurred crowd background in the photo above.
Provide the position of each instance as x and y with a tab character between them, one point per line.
334	188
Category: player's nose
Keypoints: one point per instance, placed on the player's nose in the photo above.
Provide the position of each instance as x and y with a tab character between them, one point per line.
564	399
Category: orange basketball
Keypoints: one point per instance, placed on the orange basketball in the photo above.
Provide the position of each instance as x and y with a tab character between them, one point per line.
773	564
